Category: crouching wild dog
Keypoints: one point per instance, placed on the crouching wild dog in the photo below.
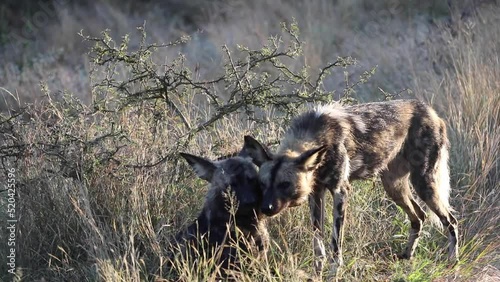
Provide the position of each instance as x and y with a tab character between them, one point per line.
329	146
214	232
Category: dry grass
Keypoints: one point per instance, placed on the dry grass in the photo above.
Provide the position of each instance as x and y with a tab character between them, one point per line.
468	96
83	219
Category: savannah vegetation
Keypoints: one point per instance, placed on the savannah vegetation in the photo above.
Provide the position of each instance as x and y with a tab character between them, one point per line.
98	99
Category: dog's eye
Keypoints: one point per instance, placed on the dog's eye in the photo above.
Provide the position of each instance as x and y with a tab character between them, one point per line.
284	185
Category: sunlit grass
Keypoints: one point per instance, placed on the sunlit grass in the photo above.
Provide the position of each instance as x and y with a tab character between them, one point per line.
115	224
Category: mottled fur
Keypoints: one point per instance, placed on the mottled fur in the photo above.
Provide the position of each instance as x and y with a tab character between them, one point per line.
402	141
214	232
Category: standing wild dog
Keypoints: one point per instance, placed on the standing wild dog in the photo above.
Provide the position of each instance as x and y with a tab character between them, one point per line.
214	231
329	146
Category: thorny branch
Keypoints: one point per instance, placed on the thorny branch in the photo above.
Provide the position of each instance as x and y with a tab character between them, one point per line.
129	83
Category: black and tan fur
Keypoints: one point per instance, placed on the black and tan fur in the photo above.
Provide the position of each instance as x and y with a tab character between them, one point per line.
403	141
214	232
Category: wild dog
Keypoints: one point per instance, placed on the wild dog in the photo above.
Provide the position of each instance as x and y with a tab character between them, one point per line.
325	148
215	229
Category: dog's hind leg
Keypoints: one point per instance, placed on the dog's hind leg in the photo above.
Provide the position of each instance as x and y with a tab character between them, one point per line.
395	182
428	191
431	179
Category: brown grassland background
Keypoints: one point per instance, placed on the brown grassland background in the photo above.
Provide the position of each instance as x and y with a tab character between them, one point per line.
92	122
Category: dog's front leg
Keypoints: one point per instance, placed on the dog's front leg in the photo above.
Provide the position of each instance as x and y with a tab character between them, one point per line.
317	206
339	206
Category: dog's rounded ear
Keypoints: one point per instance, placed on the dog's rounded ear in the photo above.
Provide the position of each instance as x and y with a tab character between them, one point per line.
310	159
204	168
255	150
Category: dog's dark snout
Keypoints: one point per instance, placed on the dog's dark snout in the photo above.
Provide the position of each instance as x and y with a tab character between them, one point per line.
267	209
